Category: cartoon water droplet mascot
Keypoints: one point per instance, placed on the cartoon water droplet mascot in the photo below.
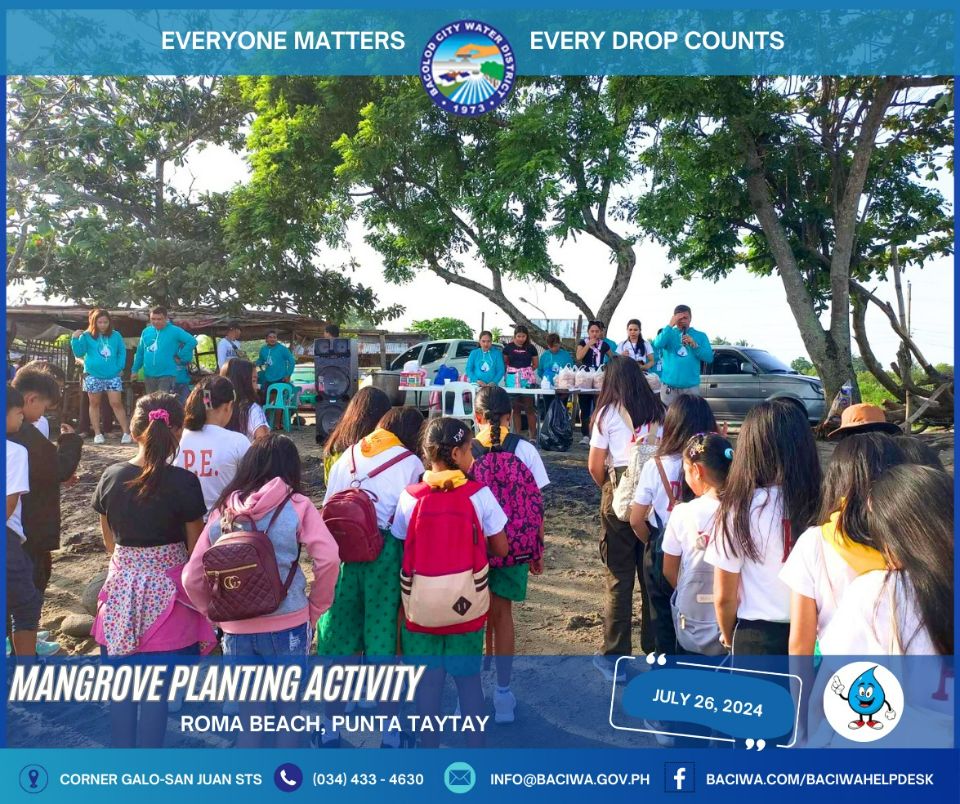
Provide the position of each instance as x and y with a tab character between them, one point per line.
866	699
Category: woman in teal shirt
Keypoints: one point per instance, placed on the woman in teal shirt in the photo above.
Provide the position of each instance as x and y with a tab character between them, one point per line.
553	359
104	359
485	364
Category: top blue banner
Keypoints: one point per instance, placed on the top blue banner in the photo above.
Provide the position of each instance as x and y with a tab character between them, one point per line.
543	41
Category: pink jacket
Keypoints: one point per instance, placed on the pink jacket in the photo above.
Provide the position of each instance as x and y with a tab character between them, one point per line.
312	534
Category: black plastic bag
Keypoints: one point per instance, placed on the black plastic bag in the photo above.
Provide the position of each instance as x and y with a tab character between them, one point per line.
556	429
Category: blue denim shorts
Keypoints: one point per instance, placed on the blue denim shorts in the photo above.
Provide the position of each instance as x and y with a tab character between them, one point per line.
94	385
294	642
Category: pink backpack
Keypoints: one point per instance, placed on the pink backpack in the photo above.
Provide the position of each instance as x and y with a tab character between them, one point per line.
513	486
443	578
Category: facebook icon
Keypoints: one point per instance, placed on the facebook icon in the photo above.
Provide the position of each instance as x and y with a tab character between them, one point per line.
679	777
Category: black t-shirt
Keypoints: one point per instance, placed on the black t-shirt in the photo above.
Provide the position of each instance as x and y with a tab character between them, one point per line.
153	520
519	357
593	358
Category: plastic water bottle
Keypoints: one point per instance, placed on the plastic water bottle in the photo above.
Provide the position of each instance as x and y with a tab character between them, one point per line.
545	384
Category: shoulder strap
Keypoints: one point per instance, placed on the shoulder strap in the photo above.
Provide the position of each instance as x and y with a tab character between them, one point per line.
477	449
666	483
510	443
402	456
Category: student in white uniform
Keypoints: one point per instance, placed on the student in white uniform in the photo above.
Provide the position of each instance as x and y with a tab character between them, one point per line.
635	347
829	556
906	609
626	410
207	448
363	617
659	489
773	492
514	471
448	448
706	464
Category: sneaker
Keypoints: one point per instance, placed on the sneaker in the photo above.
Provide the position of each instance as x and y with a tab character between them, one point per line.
663	740
43	636
127	439
504	707
45	648
607	667
585	441
99	439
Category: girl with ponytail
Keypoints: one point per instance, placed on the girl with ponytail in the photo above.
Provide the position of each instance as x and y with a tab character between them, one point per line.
207	448
151	515
513	470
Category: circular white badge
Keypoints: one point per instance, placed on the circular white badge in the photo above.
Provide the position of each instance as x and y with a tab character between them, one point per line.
863	702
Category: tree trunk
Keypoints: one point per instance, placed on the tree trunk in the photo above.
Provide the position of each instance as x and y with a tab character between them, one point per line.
834	365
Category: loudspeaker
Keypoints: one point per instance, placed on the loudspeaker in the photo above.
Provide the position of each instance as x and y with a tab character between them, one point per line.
337	369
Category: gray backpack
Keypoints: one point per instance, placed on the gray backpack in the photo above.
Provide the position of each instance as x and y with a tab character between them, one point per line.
694	617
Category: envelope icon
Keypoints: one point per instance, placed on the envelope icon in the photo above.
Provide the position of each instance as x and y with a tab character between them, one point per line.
456	777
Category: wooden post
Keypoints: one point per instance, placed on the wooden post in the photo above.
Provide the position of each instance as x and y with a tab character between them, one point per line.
383	350
576	332
483	321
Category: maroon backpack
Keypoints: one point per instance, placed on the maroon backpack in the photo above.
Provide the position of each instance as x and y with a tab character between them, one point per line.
242	573
513	486
351	517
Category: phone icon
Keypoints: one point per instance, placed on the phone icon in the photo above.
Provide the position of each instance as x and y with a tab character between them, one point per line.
288	777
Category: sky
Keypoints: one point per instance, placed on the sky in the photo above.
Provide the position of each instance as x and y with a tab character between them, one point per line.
741	306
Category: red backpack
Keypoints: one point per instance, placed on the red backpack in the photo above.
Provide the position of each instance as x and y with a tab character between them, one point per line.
443	579
351	517
512	483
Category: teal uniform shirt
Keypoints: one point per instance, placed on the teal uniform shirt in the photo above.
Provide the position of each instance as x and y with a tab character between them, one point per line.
104	357
485	367
158	350
276	363
681	364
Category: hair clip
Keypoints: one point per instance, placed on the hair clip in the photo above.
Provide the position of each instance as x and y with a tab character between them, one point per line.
159	415
207	399
459	436
728	453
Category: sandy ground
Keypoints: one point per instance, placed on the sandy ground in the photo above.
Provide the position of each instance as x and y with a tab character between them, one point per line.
561	615
561	618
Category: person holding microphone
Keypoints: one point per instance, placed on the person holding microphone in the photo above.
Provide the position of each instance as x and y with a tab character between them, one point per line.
682	349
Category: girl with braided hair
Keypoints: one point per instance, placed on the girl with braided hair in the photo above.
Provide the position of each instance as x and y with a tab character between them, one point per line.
437	520
513	470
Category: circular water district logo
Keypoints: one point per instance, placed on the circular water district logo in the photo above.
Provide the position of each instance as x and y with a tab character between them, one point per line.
468	68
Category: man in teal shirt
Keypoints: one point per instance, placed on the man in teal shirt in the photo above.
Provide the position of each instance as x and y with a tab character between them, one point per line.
276	362
682	349
161	344
553	359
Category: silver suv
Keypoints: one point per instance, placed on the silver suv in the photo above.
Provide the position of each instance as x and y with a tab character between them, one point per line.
431	354
740	378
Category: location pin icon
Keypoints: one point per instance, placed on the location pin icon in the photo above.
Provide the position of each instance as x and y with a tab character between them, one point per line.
33	774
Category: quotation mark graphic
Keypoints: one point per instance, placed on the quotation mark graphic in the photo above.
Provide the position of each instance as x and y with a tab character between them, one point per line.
760	744
660	660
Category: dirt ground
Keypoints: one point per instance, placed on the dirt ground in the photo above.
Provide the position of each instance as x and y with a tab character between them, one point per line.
562	613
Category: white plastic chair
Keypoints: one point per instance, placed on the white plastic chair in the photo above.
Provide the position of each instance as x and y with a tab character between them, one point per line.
464	394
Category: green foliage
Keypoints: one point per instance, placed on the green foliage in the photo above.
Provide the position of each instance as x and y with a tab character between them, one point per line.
93	212
493	69
441	328
433	189
802	365
719	340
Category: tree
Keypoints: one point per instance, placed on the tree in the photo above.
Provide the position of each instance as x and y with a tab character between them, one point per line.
94	214
801	365
808	177
439	328
434	190
719	340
